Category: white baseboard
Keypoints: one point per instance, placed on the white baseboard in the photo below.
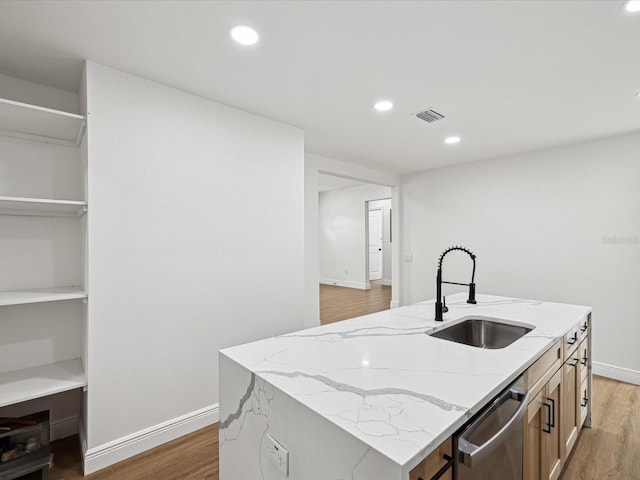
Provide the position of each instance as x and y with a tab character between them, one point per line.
617	373
63	428
386	282
115	451
342	283
394	304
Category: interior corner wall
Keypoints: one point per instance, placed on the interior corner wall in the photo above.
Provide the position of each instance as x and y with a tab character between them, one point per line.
558	225
196	243
343	223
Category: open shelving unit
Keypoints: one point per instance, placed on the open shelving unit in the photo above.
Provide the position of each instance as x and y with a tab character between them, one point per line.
40	124
32	122
36	382
41	207
40	295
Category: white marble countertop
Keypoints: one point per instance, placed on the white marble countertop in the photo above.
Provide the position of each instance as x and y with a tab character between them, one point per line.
382	379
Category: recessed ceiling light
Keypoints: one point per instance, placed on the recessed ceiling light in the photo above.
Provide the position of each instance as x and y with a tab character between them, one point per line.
451	140
244	35
632	6
383	106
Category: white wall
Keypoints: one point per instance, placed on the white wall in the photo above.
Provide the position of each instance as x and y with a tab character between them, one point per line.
541	226
196	242
385	206
343	217
315	165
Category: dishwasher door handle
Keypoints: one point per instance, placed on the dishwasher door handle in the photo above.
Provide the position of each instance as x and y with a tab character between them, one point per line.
469	453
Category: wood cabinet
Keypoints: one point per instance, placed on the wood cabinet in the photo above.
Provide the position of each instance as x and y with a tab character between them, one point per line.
583	380
552	440
570	418
436	466
542	441
570	343
560	407
532	441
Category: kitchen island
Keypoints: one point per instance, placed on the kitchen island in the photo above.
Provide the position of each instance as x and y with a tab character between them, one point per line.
371	397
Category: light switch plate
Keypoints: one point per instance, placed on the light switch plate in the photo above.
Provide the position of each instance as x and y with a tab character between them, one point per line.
278	454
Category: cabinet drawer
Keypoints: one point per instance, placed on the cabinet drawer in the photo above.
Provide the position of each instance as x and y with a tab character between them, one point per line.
584	399
570	343
543	369
583	358
584	328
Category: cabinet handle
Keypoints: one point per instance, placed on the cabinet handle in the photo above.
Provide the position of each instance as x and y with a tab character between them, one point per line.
444	468
574	339
576	363
584	328
584	360
548	419
553	412
584	402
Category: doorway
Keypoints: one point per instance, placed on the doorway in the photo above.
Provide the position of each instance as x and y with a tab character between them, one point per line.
355	256
375	243
379	238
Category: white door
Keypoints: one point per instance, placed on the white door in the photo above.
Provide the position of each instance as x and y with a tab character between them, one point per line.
375	244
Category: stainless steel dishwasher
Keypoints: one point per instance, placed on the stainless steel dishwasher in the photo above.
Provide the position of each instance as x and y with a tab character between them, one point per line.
489	447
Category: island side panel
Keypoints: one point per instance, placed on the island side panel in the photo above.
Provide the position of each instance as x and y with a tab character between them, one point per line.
251	408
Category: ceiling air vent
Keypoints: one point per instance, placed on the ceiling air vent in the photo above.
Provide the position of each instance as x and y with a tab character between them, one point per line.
430	115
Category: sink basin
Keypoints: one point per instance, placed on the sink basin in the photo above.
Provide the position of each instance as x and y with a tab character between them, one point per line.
482	333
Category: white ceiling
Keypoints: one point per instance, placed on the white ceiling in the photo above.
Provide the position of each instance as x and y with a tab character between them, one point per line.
510	76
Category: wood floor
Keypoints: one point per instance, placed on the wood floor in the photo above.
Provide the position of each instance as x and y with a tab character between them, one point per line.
340	303
193	457
608	451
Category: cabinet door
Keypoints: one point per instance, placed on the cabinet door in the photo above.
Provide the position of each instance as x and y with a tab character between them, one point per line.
532	441
552	442
584	397
570	418
430	466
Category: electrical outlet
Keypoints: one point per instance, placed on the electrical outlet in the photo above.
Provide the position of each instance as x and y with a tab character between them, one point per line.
278	454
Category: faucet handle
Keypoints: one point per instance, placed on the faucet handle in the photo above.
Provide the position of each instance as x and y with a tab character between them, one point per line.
444	304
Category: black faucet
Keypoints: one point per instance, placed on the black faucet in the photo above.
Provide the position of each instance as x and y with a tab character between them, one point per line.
440	306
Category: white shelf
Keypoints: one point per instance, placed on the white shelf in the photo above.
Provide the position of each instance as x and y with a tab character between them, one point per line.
32	122
40	295
36	382
41	207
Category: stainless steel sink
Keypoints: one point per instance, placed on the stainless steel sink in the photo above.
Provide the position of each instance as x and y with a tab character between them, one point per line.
482	333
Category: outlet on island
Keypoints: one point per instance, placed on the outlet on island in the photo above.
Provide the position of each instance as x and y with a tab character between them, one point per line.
278	454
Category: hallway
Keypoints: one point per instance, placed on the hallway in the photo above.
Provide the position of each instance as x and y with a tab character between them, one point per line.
340	303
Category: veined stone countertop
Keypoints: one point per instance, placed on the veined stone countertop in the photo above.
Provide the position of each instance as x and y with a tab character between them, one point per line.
401	392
